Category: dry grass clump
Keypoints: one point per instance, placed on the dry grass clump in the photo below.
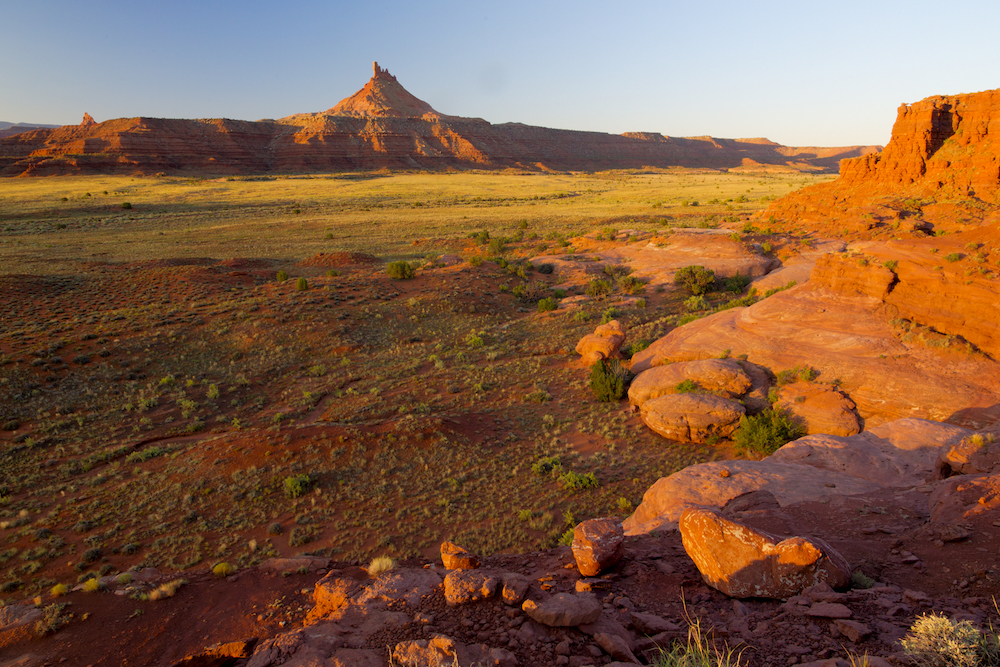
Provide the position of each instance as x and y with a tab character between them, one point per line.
167	590
380	564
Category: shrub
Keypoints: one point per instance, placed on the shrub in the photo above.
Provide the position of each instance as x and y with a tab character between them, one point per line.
213	392
572	481
400	270
547	304
52	619
223	570
696	303
274	528
890	264
297	485
640	303
687	387
126	205
547	465
797	374
737	283
546	268
609	314
953	256
59	590
379	565
598	288
763	434
281	276
474	340
609	380
937	641
302	284
695	279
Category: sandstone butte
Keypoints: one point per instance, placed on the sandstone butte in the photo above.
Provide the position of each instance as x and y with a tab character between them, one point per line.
382	126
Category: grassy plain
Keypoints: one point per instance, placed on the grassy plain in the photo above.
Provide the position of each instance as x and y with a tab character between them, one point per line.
165	401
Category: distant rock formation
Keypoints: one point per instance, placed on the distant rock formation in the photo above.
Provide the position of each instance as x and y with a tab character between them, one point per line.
87	121
382	126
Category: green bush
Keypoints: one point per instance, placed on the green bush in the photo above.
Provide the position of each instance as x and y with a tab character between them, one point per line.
547	465
598	288
223	570
687	387
953	257
297	485
302	284
797	374
126	205
609	380
695	303
281	276
763	434
547	304
572	481
546	268
737	283
695	279
400	270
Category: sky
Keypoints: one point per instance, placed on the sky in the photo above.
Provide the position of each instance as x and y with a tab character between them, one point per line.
802	73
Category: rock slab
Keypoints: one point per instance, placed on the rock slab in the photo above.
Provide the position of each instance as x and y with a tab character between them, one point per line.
743	562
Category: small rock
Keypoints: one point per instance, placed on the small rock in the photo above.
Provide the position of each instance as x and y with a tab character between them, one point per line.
615	646
651	624
590	584
564	610
597	545
852	629
515	588
455	557
829	610
464	586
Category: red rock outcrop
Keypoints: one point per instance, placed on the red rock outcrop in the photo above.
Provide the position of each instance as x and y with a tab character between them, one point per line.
381	126
942	148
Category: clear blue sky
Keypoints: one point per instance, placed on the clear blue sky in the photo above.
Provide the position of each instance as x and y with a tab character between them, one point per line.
803	72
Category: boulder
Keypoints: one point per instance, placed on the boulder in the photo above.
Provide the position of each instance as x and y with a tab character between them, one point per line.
960	498
464	586
515	588
743	562
724	377
455	557
604	343
976	453
691	417
821	408
598	545
564	610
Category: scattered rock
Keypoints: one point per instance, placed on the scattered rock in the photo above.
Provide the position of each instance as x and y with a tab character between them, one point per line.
852	629
829	610
455	557
957	499
564	610
597	545
515	588
464	586
742	562
616	647
651	624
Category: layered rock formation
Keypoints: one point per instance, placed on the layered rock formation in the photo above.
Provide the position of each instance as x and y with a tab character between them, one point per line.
942	149
381	126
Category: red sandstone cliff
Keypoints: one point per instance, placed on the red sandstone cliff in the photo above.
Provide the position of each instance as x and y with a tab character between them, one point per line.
942	165
380	126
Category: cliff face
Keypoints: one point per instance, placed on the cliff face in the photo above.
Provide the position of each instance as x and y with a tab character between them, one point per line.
380	126
949	143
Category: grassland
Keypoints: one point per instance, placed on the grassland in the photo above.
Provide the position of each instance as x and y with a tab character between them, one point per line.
163	404
48	225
